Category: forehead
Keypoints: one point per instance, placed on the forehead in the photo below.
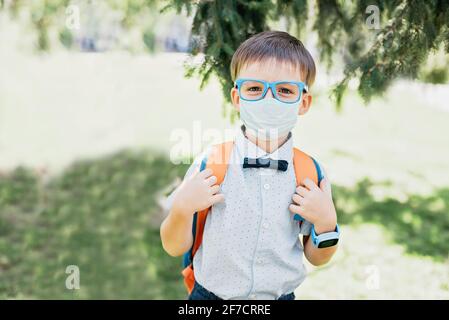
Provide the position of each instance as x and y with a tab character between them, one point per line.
271	70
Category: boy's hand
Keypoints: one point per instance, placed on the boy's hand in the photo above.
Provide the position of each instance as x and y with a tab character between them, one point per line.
197	192
315	204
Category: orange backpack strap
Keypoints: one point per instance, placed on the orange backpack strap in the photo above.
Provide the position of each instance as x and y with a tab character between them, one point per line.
305	167
217	160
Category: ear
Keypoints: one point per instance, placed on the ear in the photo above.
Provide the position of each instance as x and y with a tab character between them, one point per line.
306	102
235	99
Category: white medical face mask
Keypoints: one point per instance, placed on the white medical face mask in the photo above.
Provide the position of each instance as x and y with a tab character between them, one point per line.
269	118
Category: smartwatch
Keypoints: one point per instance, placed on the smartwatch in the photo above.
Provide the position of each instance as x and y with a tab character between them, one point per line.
327	239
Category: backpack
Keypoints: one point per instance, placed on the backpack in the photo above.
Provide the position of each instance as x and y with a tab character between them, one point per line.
217	160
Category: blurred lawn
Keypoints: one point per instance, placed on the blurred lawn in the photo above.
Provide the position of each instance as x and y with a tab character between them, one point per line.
97	215
389	164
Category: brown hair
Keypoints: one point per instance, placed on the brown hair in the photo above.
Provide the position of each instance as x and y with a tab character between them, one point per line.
274	44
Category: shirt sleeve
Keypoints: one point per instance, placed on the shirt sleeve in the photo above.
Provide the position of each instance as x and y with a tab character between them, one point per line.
305	228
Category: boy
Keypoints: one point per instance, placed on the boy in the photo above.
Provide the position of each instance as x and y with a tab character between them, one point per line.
251	247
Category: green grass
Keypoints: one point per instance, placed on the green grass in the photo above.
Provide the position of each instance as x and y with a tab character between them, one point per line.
420	223
97	215
367	252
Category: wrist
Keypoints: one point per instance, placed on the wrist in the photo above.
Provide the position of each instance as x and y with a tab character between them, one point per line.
325	239
328	223
180	211
325	227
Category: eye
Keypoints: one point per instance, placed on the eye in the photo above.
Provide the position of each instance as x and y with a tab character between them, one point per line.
254	89
285	91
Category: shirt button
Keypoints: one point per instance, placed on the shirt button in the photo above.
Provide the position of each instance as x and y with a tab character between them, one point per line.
266	186
266	225
260	261
252	297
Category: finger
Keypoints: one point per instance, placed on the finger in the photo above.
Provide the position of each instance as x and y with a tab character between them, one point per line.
310	184
296	209
211	180
205	173
302	191
299	210
217	198
214	189
298	199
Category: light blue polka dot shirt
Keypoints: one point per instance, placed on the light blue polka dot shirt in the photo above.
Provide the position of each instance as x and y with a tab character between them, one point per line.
251	247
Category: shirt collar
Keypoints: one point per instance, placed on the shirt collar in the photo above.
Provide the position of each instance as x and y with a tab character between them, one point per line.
249	149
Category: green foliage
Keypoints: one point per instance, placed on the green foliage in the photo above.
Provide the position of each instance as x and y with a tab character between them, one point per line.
66	38
412	30
219	27
409	31
131	9
436	69
48	13
436	76
149	39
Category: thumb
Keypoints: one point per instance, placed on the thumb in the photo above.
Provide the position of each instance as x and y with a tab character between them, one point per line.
300	210
217	198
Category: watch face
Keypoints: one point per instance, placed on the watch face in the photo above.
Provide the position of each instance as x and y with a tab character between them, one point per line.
328	243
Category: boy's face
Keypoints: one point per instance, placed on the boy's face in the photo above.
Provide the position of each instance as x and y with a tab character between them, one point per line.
272	70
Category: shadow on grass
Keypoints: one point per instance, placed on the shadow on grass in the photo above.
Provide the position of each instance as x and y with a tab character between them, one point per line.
420	223
99	215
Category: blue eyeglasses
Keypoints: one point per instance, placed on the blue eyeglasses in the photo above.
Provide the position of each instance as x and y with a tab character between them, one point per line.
284	91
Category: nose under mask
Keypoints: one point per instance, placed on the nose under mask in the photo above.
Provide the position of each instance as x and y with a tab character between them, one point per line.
269	118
